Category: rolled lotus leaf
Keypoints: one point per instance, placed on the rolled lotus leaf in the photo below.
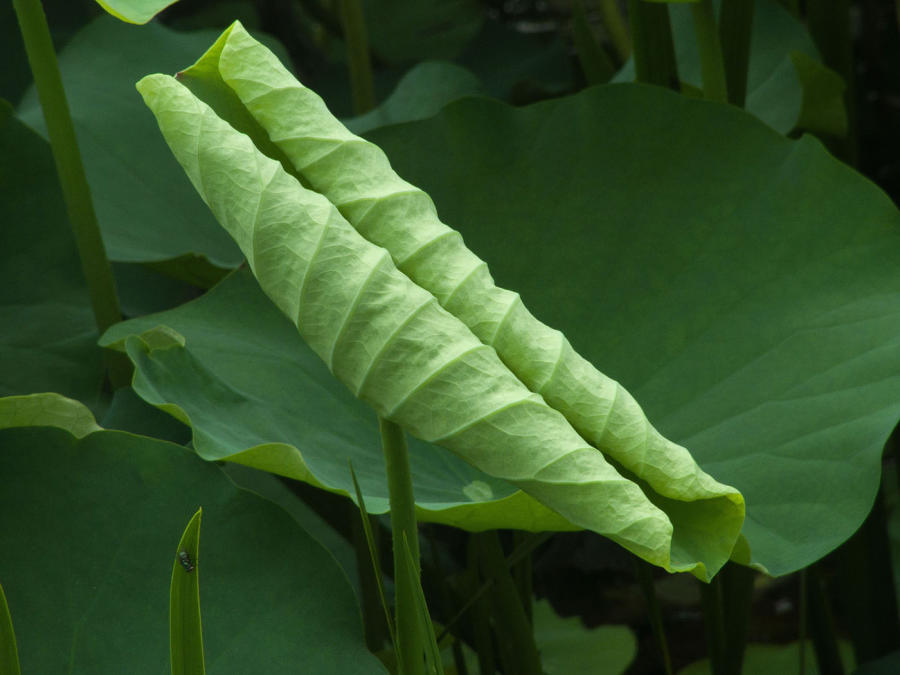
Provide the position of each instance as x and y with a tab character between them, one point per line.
391	342
355	175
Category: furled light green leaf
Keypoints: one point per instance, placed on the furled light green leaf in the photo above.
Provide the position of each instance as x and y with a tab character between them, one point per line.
135	11
390	341
356	176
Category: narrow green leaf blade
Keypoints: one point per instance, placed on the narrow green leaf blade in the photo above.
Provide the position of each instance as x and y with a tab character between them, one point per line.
373	556
433	662
185	629
9	654
390	342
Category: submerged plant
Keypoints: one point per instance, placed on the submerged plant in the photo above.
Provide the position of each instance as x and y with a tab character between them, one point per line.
410	319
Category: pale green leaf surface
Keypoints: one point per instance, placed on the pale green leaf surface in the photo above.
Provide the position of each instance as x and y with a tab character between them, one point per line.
86	530
135	11
356	176
390	341
254	393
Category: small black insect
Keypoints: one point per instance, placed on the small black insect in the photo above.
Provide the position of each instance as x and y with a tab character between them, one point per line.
185	559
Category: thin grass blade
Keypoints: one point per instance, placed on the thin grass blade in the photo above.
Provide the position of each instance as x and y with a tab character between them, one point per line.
376	565
9	654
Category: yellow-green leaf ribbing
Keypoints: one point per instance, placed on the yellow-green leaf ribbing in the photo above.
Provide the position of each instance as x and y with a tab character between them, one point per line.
356	176
389	340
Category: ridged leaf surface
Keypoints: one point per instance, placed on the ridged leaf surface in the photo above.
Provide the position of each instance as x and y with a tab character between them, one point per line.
356	176
394	346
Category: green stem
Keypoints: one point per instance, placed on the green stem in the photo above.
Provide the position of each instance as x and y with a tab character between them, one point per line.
645	579
357	41
735	28
72	178
803	613
594	62
479	619
867	583
714	620
403	522
737	596
653	47
513	630
523	575
821	624
712	65
522	550
615	25
829	24
446	599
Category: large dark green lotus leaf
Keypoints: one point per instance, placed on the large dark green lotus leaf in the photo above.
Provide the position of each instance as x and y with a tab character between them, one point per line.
256	394
146	211
89	531
47	331
744	287
786	84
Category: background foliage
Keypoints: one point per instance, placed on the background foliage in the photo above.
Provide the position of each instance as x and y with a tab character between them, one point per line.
739	277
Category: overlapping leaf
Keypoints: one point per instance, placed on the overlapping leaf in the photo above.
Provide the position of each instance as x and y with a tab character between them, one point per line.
254	393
